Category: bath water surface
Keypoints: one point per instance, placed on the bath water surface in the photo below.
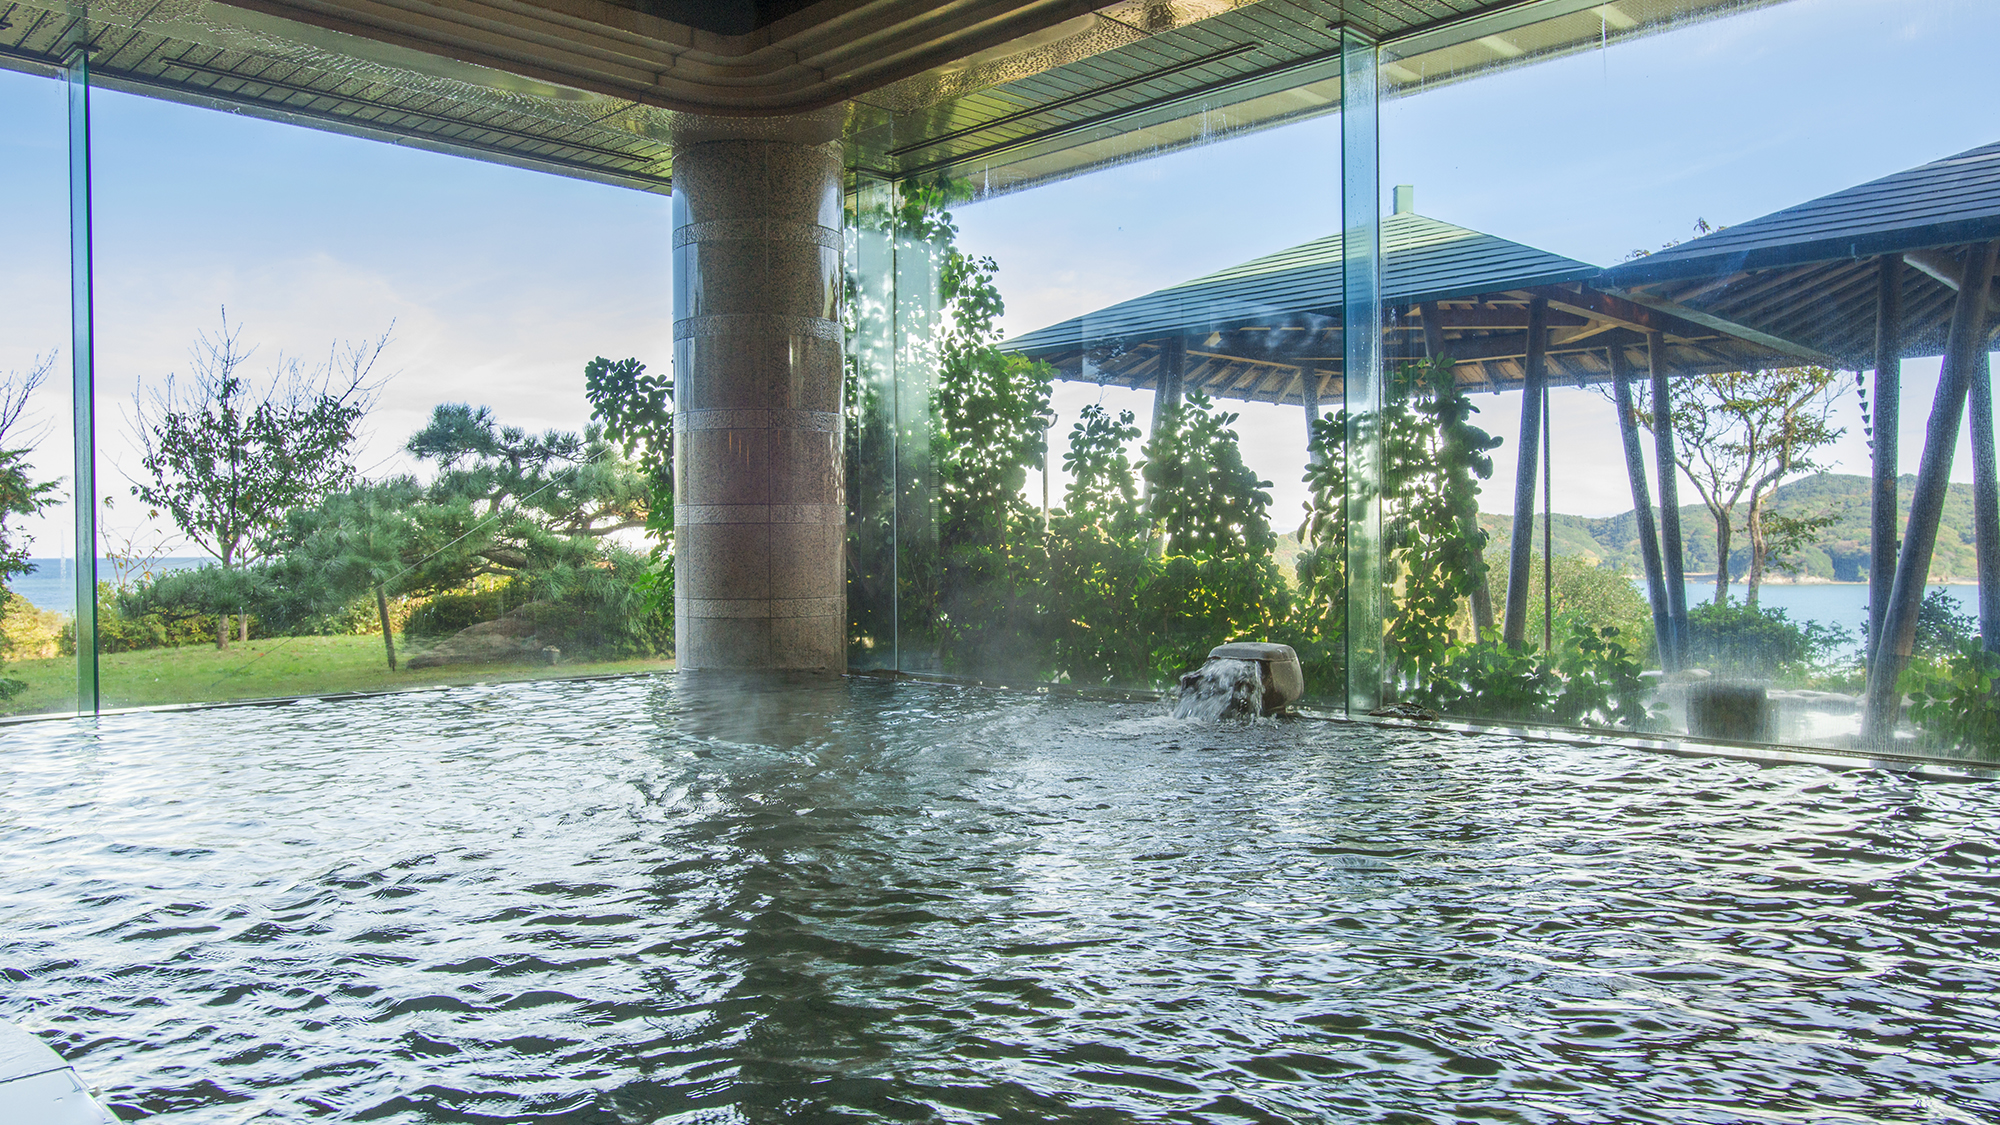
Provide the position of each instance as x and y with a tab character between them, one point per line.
686	899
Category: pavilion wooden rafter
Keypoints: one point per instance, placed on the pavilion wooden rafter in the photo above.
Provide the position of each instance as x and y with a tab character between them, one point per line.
1270	330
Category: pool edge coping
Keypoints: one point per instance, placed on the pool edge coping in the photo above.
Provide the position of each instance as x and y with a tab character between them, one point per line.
1942	768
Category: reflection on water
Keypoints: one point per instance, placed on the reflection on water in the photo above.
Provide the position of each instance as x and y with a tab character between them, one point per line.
818	900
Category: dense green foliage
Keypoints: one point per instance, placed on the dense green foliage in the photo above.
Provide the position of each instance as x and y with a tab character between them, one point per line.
1594	680
1201	498
1941	628
1953	698
1582	592
637	412
1753	640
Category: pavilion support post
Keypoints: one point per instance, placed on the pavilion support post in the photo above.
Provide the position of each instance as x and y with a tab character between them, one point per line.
1481	596
1888	403
1167	386
1913	559
1670	501
1985	496
1642	503
1433	330
1166	407
1309	398
1521	548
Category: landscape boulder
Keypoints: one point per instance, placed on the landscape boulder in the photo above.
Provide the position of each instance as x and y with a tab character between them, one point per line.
515	638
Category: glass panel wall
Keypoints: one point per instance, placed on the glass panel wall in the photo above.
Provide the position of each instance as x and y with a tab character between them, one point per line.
1120	387
1558	350
1705	512
898	248
370	417
38	560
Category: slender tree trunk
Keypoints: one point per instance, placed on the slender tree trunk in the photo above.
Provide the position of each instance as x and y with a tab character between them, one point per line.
1521	545
1761	495
1758	548
1888	405
1985	499
1672	554
222	619
243	627
1721	552
388	634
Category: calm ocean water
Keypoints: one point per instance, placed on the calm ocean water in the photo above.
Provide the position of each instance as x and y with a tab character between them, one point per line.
1842	604
52	584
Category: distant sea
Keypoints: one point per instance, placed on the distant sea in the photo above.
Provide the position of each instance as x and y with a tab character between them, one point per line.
1837	603
52	584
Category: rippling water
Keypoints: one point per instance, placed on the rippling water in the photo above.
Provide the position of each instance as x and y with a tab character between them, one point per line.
671	900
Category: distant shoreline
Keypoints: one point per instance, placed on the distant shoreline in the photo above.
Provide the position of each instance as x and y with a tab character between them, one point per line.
1709	580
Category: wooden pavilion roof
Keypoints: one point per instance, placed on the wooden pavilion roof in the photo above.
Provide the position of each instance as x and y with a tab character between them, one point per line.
1809	273
1255	331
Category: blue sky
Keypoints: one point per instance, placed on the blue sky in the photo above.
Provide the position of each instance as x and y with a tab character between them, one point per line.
501	283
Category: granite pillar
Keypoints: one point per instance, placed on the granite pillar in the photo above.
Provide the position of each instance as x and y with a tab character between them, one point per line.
759	513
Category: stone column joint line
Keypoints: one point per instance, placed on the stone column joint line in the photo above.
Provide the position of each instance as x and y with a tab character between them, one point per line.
761	325
756	230
817	421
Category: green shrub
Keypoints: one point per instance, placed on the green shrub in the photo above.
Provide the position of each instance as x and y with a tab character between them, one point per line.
1584	592
165	611
446	614
1734	637
1952	698
1941	628
1593	680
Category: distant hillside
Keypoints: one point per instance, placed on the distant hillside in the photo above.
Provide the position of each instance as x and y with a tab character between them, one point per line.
1841	555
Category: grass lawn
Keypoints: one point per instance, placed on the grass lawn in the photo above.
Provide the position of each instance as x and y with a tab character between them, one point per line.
260	669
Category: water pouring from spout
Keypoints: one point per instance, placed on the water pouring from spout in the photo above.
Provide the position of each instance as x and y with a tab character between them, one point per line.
1247	678
1221	687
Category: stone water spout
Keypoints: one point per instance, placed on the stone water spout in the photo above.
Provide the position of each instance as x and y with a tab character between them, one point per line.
1247	678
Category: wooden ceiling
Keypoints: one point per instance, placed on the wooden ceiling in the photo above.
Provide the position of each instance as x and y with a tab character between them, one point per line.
1001	93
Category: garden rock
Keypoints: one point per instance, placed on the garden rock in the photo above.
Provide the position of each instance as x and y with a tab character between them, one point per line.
507	640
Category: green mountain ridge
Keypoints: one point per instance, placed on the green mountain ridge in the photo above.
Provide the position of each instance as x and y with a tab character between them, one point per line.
1841	554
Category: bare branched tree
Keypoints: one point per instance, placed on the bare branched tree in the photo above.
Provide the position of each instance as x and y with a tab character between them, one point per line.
1739	435
19	496
225	455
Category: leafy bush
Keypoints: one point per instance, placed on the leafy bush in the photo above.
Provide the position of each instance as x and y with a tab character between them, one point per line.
1489	680
1734	637
1592	680
1941	628
165	611
27	632
618	605
446	614
1952	698
1584	592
